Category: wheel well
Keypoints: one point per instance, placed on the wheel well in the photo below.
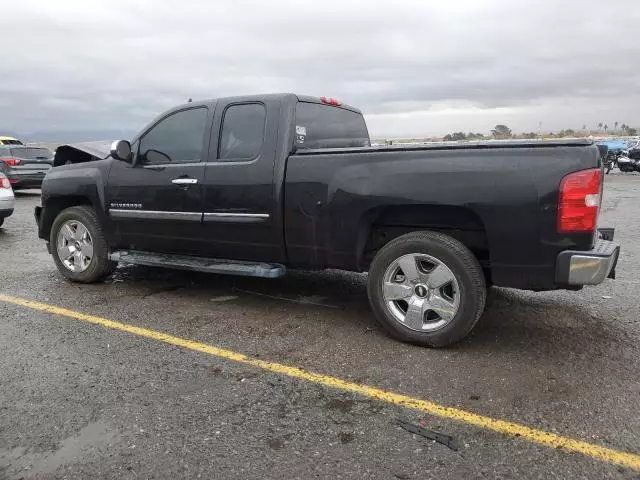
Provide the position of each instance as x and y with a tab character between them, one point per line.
381	225
55	205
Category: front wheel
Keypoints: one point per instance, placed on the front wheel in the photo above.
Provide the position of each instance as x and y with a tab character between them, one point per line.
79	245
426	288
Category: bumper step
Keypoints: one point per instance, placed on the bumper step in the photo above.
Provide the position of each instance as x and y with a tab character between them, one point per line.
200	264
588	267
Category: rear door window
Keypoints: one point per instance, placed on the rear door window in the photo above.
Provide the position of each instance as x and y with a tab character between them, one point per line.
242	132
325	126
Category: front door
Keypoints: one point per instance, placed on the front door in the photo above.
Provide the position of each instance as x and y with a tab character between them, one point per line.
155	203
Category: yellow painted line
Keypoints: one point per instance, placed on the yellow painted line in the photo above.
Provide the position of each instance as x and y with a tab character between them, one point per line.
504	427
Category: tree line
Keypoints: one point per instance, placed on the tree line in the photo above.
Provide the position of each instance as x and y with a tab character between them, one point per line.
503	132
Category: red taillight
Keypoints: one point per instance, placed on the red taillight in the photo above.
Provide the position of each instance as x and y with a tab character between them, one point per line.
330	101
12	162
4	182
579	201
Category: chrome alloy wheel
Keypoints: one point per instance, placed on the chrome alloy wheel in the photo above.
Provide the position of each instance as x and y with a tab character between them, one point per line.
421	292
74	246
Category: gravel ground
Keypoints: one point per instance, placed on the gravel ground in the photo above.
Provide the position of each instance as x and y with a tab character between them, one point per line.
82	401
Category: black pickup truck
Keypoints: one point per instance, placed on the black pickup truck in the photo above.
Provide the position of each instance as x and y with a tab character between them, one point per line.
257	184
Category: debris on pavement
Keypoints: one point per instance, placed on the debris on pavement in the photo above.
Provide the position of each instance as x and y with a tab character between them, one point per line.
310	300
442	438
223	298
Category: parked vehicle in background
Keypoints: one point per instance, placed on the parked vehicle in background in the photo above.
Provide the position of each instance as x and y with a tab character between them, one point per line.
615	146
632	147
6	198
9	141
25	166
630	162
258	184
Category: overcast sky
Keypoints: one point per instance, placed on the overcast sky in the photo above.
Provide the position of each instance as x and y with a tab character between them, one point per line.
414	67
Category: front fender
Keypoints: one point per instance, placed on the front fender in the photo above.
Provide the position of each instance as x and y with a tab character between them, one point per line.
69	185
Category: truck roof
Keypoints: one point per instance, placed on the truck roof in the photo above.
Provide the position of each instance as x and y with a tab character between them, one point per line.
267	96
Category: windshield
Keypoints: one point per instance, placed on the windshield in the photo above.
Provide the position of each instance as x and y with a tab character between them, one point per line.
32	153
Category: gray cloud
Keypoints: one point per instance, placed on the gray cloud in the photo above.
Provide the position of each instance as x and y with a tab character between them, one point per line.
414	67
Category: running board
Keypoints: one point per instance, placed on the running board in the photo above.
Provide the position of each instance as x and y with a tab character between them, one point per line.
200	264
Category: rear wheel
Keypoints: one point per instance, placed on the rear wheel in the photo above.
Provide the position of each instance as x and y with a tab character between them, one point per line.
79	245
426	288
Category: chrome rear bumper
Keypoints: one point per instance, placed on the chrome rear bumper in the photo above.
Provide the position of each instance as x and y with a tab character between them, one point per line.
588	267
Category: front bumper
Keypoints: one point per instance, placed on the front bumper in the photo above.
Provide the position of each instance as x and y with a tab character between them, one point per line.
589	267
6	206
5	212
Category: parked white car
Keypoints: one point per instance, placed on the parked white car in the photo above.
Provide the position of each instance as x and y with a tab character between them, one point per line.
6	198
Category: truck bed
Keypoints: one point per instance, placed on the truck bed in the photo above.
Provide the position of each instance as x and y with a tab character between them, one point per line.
499	196
479	145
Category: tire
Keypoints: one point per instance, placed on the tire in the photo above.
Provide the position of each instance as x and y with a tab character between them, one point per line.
94	267
464	295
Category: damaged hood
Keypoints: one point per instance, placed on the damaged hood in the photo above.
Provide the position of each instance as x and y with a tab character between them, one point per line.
82	152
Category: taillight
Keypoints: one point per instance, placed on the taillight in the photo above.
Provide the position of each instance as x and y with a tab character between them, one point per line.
4	182
580	201
12	162
330	101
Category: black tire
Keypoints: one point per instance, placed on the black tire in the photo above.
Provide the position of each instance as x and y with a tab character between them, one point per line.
100	265
460	261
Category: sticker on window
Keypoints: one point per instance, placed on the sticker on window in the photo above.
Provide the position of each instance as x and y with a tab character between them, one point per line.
301	130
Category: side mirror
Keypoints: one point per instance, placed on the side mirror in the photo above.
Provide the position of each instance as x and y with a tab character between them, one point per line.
121	150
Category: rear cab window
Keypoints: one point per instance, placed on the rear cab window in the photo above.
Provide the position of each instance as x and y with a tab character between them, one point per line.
326	126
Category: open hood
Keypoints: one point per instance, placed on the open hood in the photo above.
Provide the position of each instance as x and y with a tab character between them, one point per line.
82	152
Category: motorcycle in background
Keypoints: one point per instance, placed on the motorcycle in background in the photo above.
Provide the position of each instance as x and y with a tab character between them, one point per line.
630	162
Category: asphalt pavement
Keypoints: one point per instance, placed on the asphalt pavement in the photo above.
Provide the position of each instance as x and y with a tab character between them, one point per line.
80	400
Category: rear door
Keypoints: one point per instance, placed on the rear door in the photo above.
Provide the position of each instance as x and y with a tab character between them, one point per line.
155	203
241	217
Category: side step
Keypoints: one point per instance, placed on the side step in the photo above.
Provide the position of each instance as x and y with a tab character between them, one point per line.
200	264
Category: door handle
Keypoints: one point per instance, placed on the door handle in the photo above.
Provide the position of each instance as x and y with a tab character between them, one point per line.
184	181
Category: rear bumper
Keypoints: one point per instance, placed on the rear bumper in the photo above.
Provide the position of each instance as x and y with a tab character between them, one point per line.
589	267
26	181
